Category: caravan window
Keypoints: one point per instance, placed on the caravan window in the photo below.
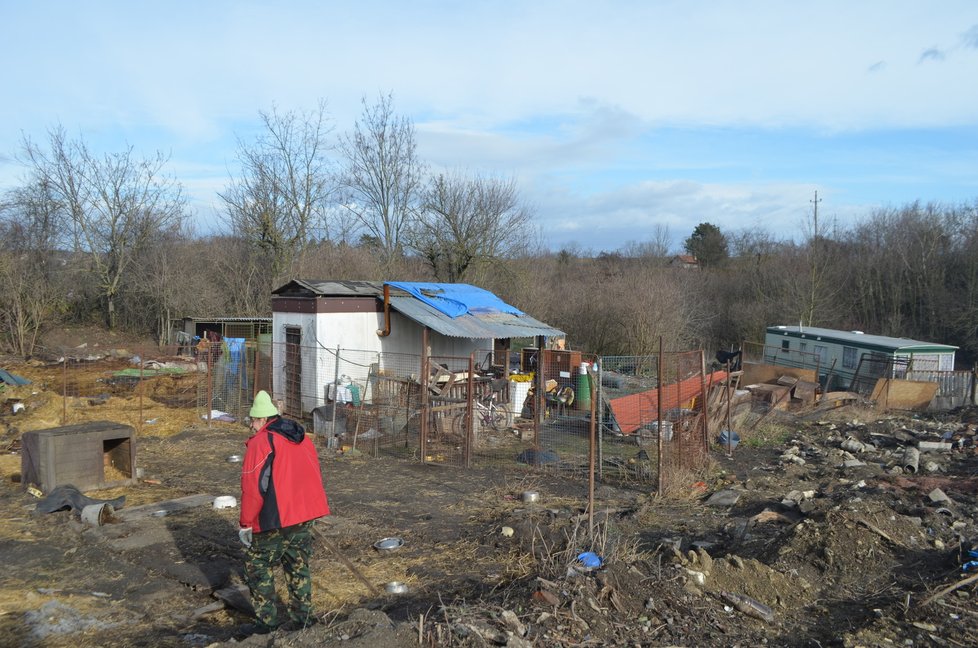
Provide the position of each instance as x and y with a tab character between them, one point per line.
849	357
823	354
925	362
785	345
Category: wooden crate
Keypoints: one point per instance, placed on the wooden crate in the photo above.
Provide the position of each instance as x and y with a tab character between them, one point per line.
88	456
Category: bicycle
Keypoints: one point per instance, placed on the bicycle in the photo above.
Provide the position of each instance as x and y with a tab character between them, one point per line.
488	413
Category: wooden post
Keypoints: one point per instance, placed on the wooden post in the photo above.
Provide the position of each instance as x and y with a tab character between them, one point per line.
210	385
470	423
139	423
425	409
539	396
705	426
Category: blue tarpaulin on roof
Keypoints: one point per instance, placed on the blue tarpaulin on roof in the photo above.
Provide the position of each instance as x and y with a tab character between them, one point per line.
455	299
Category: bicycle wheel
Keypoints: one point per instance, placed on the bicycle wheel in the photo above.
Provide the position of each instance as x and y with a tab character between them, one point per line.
460	424
501	418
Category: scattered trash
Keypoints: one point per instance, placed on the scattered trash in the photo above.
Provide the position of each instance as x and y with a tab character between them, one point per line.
388	544
973	563
69	497
543	596
18	407
590	560
97	514
225	501
507	532
911	459
218	415
749	606
726	497
854	445
396	587
729	438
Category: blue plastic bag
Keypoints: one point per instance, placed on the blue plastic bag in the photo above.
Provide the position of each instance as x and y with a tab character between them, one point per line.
590	560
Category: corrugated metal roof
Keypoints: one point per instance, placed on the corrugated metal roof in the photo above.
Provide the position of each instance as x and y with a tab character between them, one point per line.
859	339
332	288
479	326
227	319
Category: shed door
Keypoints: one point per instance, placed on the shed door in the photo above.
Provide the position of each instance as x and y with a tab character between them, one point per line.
293	370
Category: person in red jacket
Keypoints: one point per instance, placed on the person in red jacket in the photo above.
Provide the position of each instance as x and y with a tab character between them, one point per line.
281	495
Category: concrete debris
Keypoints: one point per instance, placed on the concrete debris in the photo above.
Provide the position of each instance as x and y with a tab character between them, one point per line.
938	496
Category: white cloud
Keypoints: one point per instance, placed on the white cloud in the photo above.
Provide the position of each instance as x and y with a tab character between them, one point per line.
570	96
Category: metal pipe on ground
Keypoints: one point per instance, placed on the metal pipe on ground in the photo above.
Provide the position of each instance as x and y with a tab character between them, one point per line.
911	459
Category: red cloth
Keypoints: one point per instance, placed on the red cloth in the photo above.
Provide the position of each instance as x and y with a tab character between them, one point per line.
296	492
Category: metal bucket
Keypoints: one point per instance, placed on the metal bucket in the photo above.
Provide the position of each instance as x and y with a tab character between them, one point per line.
97	514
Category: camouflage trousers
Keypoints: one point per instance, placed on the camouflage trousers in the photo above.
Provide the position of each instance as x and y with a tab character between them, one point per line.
291	547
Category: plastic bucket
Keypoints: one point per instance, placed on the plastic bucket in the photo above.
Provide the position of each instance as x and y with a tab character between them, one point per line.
727	437
666	429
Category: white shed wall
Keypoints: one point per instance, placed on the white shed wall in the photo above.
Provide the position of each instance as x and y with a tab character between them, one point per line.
322	333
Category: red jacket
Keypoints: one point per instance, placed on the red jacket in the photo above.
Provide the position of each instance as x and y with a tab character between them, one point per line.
281	481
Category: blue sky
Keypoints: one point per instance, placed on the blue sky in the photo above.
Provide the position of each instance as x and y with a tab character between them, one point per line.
615	117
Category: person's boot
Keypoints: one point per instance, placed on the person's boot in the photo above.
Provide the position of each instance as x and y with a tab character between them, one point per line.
246	630
292	625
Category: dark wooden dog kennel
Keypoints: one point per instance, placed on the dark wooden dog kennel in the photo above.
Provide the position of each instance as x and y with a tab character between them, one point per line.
88	456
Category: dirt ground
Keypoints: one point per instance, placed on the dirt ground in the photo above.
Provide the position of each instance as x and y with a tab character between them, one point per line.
800	538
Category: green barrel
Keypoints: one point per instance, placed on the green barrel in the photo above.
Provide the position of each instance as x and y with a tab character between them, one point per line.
583	396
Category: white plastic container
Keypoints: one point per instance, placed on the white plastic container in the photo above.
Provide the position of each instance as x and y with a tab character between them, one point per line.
225	501
666	429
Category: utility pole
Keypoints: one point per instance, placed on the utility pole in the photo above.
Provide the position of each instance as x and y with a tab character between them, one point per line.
814	278
815	220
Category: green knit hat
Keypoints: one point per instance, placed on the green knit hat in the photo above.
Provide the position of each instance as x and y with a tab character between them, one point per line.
262	407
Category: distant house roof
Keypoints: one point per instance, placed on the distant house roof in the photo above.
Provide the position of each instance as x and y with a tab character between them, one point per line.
861	340
453	310
685	261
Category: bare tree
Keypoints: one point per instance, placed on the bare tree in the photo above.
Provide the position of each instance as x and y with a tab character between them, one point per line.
465	222
282	198
655	248
115	203
383	177
31	289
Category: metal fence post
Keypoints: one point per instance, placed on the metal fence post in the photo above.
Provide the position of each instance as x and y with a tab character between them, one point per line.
658	386
64	389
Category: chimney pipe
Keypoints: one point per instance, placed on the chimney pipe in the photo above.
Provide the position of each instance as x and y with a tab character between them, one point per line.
387	313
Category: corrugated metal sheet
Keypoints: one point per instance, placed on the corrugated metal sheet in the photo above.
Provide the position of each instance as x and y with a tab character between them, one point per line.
331	288
638	410
482	326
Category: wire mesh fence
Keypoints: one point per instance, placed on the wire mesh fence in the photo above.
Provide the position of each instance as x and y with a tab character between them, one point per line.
149	389
654	418
628	418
